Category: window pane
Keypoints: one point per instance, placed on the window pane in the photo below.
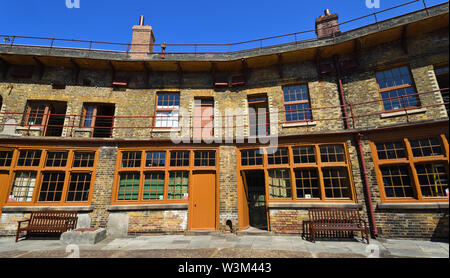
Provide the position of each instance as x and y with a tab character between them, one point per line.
307	184
280	156
168	100
5	158
129	186
36	114
298	112
205	158
29	158
89	120
433	179
304	154
295	93
83	159
23	186
179	159
397	182
79	186
178	185
154	186
430	146
56	159
131	159
336	183
332	153
51	187
280	184
167	118
155	159
251	157
391	150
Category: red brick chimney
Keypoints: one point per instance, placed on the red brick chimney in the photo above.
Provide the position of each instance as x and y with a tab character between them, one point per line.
327	25
143	40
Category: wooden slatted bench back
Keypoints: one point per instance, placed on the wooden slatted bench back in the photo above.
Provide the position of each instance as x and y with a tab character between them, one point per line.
49	221
331	217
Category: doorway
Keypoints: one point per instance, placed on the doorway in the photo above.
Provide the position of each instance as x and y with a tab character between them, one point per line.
202	207
203	118
259	115
4	179
56	119
255	190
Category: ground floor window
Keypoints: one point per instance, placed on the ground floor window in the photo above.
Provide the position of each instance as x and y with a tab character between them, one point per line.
50	176
154	176
314	172
413	168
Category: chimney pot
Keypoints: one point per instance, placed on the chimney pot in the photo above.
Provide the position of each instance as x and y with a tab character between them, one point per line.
327	12
141	20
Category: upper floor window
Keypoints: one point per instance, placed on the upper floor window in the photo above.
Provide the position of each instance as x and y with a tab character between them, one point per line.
99	117
397	89
37	113
441	73
167	110
296	103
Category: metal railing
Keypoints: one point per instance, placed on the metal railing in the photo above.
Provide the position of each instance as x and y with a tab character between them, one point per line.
126	126
204	48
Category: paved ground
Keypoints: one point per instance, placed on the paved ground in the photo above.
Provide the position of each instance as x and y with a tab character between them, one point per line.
224	246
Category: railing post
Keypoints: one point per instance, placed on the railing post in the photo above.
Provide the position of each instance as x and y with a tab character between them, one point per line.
405	109
353	115
376	20
51	45
426	8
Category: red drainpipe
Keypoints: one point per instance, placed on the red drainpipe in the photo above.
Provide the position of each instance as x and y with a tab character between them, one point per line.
341	89
358	138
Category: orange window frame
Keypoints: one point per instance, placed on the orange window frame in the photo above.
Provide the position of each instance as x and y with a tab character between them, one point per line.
410	161
167	169
404	86
42	168
292	167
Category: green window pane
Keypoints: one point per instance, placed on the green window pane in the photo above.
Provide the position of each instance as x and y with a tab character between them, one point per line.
129	186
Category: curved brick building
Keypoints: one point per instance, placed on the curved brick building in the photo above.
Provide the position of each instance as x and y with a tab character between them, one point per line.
148	140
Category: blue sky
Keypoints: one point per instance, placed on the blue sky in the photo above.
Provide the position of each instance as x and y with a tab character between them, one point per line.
176	21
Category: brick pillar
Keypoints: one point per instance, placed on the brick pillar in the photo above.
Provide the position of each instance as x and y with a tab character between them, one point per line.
228	206
104	180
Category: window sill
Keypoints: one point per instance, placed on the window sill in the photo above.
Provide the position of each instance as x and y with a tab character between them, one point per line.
393	206
25	128
314	205
298	124
148	207
166	130
403	113
13	209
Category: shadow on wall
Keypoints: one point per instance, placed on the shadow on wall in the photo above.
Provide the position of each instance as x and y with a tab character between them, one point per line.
441	232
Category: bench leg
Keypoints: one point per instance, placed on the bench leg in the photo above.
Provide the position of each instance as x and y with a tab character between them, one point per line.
366	237
17	235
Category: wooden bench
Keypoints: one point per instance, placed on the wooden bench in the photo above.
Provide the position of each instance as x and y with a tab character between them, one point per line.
48	222
337	220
